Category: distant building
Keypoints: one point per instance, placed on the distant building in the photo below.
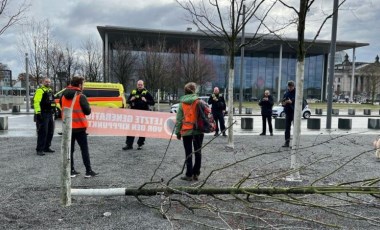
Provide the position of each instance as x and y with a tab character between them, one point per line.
365	76
268	65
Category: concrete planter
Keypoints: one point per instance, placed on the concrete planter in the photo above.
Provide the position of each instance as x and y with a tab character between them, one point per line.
246	123
344	123
4	107
3	123
366	111
15	109
373	123
279	123
351	111
248	110
335	111
314	123
318	111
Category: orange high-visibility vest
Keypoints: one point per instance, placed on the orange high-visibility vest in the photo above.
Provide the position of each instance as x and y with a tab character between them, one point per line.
79	119
189	116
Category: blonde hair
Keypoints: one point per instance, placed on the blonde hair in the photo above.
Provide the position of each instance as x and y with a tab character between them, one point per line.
190	88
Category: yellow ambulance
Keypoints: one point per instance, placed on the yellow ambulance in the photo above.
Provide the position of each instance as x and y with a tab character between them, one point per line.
100	94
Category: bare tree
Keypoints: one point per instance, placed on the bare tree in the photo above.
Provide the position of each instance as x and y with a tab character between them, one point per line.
92	61
12	13
56	62
154	65
124	62
224	21
305	7
191	65
34	41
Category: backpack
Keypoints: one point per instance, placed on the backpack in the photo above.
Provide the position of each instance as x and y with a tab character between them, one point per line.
205	121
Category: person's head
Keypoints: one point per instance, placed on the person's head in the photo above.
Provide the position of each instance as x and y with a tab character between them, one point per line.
140	84
266	93
291	85
46	82
77	81
190	88
216	90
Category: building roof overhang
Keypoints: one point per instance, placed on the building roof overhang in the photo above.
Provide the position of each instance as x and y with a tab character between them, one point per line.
266	43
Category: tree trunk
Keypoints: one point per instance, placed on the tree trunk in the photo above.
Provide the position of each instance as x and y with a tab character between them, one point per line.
225	190
231	76
297	120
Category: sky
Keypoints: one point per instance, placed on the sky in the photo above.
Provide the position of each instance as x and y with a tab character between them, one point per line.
74	21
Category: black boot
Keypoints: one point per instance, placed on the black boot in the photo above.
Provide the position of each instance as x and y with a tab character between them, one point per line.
286	144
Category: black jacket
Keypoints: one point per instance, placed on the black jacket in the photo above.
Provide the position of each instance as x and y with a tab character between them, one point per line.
217	102
289	108
138	103
266	106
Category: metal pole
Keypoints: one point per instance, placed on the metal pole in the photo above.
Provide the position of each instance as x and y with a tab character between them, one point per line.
242	63
331	64
279	75
27	82
353	75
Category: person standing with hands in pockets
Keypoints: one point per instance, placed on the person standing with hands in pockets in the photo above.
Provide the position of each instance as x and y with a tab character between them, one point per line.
266	104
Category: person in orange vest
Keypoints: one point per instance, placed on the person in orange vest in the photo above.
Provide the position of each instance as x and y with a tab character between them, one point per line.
185	129
79	122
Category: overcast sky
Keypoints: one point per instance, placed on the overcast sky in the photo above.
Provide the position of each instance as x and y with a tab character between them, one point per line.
74	21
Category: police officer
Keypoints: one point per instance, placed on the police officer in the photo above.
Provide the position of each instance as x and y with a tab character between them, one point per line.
44	107
218	109
139	99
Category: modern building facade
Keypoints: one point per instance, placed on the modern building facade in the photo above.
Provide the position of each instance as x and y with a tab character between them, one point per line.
268	64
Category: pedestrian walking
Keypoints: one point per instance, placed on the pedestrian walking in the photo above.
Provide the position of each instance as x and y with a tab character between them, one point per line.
266	104
79	123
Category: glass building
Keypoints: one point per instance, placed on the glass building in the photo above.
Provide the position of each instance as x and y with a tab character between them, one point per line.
267	65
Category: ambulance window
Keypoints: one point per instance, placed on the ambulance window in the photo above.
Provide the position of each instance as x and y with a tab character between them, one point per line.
101	93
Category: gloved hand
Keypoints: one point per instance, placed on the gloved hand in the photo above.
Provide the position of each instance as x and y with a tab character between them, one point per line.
179	136
39	118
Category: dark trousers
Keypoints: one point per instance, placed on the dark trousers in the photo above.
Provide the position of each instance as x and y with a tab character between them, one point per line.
219	118
81	138
131	139
188	143
288	124
45	131
267	118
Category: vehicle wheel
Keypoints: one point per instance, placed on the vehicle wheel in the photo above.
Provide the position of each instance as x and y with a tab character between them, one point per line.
282	114
306	115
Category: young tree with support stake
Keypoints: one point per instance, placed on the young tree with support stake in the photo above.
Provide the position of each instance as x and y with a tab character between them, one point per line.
224	22
301	16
